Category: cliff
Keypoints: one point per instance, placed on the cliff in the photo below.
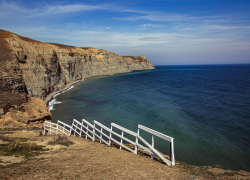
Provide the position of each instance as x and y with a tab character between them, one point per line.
38	69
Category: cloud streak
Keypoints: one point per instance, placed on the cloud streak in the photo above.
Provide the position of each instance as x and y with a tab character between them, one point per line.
66	9
8	8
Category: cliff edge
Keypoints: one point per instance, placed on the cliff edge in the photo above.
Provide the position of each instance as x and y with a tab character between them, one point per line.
38	69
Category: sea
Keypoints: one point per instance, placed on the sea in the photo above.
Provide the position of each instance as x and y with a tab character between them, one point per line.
205	108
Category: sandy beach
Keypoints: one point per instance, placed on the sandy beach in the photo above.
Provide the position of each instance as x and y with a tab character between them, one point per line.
50	96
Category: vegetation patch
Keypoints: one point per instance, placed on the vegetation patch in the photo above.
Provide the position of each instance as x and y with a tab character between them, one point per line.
62	140
5	138
18	148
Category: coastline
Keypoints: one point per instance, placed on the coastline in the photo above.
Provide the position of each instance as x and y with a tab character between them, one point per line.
51	96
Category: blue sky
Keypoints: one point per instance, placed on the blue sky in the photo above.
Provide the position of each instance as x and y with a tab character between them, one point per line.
167	32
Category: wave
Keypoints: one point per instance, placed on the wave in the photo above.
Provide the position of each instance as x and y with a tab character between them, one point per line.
54	101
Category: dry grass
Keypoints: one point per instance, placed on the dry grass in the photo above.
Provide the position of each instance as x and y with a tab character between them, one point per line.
5	138
62	140
18	148
63	46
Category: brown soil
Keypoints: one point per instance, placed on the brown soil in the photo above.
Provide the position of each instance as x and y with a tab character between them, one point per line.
5	51
91	160
12	98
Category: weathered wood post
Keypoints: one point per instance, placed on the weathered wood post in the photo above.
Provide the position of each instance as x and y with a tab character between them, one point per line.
82	124
94	132
153	143
110	136
172	158
87	132
75	128
136	141
80	132
101	136
121	141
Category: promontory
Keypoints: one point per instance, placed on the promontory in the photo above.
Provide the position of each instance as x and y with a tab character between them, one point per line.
31	70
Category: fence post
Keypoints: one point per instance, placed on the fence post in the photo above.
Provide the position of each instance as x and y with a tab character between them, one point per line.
87	132
72	126
172	158
110	136
101	136
82	125
153	143
136	141
121	141
80	133
94	133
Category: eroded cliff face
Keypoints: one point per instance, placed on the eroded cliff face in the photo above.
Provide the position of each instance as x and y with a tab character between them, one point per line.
41	68
38	69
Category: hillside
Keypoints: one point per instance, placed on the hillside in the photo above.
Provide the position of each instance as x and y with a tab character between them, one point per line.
86	159
39	69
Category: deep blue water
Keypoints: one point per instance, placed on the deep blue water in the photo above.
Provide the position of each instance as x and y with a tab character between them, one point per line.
206	109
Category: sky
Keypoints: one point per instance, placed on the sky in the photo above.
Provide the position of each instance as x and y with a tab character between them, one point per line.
167	32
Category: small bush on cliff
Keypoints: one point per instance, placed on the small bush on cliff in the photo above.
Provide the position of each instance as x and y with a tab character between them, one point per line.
63	140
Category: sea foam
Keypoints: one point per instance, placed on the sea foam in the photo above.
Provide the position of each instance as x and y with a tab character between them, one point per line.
54	101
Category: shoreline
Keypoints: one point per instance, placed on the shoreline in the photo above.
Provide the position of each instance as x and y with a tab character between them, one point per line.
52	95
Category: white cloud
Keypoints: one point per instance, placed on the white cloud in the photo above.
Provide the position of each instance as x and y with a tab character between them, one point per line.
8	8
150	25
62	9
225	27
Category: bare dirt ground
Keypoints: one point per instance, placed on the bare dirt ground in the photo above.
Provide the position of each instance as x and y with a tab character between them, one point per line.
86	159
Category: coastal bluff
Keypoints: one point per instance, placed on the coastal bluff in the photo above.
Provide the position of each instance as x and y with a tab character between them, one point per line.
37	69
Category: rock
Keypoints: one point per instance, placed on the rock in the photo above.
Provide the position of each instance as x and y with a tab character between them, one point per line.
32	112
39	69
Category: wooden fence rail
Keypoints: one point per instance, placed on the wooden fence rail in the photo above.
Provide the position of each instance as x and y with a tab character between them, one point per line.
56	128
96	130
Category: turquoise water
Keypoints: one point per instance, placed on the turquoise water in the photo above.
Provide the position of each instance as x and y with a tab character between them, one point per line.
206	109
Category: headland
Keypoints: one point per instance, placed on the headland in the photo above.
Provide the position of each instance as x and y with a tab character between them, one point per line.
39	69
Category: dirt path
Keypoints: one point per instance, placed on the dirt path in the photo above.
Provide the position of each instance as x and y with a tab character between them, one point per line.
91	160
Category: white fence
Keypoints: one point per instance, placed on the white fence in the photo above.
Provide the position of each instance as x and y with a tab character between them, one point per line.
96	130
57	128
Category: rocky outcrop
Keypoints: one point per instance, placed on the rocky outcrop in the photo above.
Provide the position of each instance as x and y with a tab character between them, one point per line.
21	111
38	69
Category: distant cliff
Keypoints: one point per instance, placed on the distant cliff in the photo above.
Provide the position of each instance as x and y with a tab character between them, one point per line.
38	69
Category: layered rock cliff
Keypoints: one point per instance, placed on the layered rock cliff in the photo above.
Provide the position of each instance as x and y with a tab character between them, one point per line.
38	69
